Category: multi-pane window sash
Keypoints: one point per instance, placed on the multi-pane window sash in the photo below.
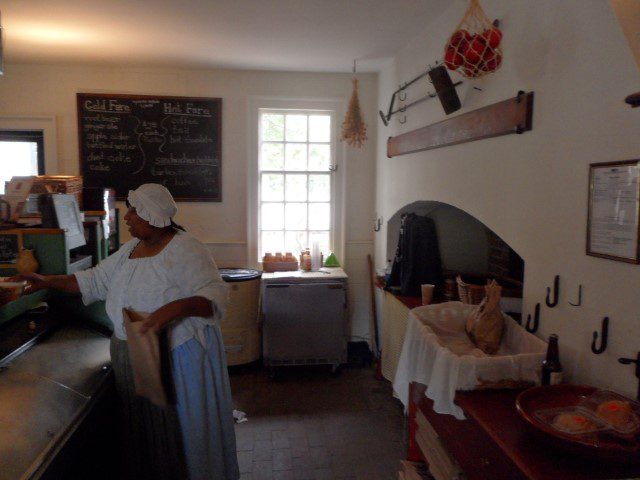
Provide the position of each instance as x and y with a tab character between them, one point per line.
295	191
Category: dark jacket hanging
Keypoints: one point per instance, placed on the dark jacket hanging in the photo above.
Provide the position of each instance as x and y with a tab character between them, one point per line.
417	259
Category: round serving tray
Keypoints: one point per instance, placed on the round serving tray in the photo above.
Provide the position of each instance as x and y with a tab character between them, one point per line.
598	445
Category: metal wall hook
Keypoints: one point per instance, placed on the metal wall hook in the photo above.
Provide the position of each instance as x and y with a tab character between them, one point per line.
579	298
384	119
402	120
629	361
556	291
603	339
533	327
377	223
402	96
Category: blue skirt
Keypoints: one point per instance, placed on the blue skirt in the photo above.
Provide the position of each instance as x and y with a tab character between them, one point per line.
197	434
205	408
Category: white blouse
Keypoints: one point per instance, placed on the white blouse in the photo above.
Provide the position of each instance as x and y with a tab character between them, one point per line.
184	268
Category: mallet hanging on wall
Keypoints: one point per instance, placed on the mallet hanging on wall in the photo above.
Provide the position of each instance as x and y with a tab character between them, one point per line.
444	89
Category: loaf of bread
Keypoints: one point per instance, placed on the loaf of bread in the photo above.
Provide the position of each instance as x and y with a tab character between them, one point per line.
485	323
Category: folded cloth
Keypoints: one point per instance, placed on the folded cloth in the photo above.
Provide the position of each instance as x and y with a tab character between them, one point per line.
148	354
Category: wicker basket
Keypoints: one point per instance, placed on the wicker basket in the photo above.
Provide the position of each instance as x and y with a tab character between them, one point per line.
70	184
506	384
470	293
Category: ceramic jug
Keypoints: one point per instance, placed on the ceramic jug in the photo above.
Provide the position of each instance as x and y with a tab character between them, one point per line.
26	261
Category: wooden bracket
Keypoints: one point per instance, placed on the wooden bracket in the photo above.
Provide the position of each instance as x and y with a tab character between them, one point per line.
509	116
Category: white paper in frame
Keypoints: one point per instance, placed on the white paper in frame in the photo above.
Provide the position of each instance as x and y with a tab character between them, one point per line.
613	227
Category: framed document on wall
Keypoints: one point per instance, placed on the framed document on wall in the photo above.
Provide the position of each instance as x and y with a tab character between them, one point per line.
613	226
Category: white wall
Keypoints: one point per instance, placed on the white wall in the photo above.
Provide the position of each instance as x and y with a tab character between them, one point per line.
531	189
49	91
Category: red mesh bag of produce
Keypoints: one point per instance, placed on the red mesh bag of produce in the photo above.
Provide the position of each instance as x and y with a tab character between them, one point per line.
474	47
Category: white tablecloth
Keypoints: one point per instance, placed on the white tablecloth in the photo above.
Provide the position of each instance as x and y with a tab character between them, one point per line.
438	353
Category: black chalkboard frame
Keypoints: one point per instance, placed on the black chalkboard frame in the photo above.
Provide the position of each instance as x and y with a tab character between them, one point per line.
18	240
217	114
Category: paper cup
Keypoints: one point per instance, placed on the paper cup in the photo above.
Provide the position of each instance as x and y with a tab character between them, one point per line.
427	293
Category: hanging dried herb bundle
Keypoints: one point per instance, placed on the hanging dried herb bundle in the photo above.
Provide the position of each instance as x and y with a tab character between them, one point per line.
354	130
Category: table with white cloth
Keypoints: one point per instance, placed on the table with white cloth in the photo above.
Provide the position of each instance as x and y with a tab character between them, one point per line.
438	353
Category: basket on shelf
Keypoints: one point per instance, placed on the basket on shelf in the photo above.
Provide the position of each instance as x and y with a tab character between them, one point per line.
280	266
470	293
69	184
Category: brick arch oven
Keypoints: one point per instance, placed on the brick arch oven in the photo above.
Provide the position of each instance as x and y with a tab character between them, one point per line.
445	243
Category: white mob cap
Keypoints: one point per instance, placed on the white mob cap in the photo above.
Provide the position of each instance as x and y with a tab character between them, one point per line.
153	203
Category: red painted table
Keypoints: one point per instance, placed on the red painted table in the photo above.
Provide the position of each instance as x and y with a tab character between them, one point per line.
494	443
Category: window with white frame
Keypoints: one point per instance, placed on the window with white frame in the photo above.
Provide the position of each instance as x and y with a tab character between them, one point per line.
21	154
295	189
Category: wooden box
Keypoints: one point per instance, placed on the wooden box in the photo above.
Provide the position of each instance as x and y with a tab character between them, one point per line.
279	266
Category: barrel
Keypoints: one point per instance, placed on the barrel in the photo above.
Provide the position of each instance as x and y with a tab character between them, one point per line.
240	324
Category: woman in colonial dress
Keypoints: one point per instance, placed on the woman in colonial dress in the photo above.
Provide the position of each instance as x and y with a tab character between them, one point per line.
168	273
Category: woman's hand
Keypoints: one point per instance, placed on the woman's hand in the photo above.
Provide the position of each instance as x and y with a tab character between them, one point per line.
157	320
36	281
185	307
64	283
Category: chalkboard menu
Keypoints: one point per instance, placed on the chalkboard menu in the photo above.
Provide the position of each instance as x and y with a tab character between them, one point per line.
128	140
9	247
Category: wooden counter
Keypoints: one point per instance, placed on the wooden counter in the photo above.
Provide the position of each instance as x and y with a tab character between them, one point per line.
494	443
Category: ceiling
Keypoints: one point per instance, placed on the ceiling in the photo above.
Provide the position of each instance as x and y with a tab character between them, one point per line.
286	35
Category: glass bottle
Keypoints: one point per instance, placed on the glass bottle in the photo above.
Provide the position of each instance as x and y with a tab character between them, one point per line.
551	367
305	260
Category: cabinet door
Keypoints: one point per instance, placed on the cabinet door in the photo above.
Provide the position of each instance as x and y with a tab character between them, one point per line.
394	327
305	323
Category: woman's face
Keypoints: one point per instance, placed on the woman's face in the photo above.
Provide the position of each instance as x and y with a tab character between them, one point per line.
137	226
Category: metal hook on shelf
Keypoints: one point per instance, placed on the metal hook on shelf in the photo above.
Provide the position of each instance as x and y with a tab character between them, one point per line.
402	96
533	327
404	117
603	339
636	361
556	289
579	298
384	119
377	223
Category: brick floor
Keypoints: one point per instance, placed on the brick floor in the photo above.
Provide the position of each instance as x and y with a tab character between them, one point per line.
309	424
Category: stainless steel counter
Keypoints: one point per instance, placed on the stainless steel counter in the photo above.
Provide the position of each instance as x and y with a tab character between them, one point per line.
44	394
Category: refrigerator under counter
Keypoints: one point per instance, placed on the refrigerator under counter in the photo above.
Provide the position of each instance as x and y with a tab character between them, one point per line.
305	322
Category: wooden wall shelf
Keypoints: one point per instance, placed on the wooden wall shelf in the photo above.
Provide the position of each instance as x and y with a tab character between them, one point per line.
509	116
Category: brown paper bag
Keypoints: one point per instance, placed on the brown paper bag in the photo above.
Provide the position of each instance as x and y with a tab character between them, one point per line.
486	322
149	355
